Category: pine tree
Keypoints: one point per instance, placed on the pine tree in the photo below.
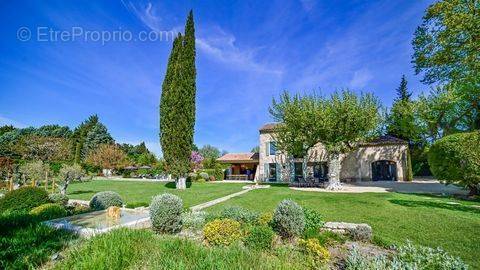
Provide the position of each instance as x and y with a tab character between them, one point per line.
402	91
177	105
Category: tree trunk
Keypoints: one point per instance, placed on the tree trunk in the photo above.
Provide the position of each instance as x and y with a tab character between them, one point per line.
181	183
334	167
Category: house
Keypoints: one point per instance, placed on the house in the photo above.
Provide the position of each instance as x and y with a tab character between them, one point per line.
384	158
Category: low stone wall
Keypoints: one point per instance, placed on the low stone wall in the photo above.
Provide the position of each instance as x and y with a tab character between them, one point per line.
360	232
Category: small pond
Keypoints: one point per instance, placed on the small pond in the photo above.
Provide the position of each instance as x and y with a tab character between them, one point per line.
98	222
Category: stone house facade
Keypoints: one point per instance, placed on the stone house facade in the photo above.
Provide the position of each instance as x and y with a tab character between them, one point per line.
382	159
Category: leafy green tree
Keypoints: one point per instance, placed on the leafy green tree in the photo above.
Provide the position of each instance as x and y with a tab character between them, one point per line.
456	159
401	121
67	174
35	170
209	151
339	122
255	149
177	106
6	128
96	136
447	53
79	135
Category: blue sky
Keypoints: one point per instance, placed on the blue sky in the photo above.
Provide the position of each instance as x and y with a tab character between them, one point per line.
247	53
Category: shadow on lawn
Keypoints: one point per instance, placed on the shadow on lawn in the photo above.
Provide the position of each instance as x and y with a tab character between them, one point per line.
173	185
443	205
81	192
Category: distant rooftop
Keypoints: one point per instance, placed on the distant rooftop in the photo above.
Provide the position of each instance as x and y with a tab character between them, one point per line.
268	127
239	157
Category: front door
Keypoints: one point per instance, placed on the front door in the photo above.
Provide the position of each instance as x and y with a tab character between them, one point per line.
384	170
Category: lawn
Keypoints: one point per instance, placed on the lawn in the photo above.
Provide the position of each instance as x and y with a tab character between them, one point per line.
423	219
134	192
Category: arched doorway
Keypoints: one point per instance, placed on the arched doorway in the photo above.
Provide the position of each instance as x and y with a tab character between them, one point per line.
384	170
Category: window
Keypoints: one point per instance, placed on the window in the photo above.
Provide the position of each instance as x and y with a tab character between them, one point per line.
272	171
320	170
298	171
272	148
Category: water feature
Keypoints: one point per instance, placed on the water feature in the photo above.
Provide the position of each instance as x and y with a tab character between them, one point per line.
92	223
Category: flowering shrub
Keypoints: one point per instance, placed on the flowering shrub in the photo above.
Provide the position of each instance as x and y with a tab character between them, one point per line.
165	213
288	219
312	247
196	160
104	199
222	232
259	237
265	219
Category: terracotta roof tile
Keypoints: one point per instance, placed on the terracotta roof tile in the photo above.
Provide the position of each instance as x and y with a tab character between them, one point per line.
237	157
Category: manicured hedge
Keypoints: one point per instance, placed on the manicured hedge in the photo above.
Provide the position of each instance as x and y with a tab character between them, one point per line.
165	213
23	199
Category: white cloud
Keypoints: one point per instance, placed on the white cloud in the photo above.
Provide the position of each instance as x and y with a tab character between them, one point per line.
360	78
221	46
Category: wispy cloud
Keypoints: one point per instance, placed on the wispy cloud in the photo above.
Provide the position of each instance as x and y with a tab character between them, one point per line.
9	121
360	78
221	46
214	42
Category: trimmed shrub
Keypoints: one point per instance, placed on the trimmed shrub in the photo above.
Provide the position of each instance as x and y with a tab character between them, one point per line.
216	173
265	219
204	176
313	220
23	199
222	232
58	198
77	208
288	219
239	214
103	200
193	219
192	177
456	159
165	213
49	211
361	232
318	254
259	237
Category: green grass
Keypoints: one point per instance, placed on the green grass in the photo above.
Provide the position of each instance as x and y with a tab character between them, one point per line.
394	217
135	192
142	249
25	243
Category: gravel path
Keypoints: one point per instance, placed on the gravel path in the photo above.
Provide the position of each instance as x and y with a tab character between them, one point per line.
416	186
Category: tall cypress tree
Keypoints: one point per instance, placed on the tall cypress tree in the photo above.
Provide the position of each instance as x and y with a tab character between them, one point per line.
177	105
